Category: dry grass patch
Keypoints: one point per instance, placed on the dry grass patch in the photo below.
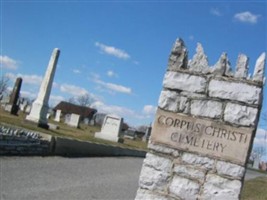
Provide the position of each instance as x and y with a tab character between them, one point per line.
255	189
84	132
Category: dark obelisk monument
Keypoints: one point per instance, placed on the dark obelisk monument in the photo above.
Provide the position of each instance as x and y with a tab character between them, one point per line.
40	105
15	96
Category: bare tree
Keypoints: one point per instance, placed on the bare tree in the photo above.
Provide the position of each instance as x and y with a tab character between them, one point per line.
4	81
72	100
84	100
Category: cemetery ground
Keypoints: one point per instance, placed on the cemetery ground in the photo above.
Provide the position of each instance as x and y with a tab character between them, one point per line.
109	178
84	132
254	189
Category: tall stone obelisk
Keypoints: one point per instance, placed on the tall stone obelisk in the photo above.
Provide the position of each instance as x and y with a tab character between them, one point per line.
40	105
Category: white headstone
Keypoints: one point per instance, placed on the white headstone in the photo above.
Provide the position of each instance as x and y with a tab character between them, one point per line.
111	128
57	117
28	109
256	162
74	120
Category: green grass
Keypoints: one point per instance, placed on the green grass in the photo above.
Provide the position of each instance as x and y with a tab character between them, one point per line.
84	132
255	189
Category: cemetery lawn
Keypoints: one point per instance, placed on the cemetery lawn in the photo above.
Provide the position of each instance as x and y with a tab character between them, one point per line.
84	132
255	189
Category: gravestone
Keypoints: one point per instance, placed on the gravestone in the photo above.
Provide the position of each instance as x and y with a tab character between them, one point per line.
57	117
111	128
74	120
203	129
147	134
28	109
256	161
15	97
39	110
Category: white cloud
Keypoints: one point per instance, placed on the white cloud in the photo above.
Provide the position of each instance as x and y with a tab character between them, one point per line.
260	138
26	78
73	90
76	71
149	110
126	113
111	73
29	95
111	87
55	99
113	51
216	12
8	63
247	17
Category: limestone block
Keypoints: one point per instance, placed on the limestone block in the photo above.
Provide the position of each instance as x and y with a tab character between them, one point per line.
153	179
169	100
206	108
192	94
148	195
172	101
162	149
198	160
184	188
241	115
235	91
218	188
178	58
158	163
199	63
242	66
184	82
259	68
189	171
219	68
226	168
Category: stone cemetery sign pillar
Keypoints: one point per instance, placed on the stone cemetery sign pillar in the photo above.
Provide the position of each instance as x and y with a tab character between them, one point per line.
203	129
40	105
15	96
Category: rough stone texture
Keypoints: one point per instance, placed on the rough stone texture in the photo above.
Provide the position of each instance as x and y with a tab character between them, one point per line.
147	195
199	63
17	141
229	169
198	160
242	66
158	163
189	171
191	94
184	188
218	188
235	91
172	101
153	179
162	149
241	115
259	68
186	82
206	108
220	67
178	58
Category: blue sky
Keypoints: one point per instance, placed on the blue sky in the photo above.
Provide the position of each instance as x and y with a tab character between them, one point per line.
117	51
